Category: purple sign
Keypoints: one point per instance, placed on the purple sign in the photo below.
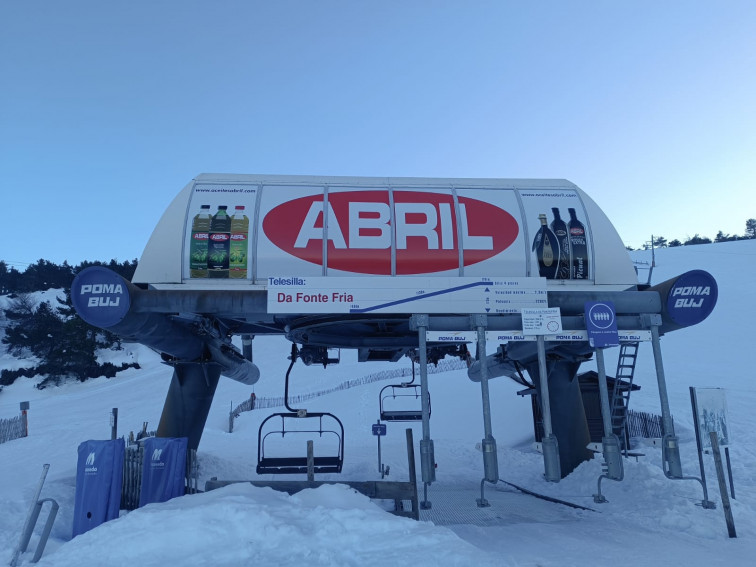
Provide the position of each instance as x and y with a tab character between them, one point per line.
692	298
100	296
601	324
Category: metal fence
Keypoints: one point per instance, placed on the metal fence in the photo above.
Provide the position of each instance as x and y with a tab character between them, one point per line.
645	425
262	402
12	428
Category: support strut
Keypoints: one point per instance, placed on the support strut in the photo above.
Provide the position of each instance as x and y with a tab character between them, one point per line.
488	445
188	401
613	468
427	458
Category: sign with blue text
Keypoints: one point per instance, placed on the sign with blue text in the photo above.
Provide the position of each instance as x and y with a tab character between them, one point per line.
601	324
356	295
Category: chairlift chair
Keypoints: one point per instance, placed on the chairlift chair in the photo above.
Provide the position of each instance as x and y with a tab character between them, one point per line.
401	392
327	425
298	464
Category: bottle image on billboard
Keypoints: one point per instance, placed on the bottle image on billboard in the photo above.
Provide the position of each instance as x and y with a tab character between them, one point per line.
237	259
559	228
547	250
198	246
578	246
219	244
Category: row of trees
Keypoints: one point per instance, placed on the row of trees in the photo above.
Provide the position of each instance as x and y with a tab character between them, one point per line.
661	242
62	345
44	275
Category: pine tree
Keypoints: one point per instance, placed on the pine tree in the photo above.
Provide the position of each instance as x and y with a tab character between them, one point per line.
750	228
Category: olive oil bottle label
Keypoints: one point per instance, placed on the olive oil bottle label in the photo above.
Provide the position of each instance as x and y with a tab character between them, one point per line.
219	244
198	246
239	244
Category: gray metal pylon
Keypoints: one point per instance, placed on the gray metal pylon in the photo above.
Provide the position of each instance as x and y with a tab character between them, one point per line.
421	322
623	385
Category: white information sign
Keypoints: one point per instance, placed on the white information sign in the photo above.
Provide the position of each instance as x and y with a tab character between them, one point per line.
513	336
293	294
712	415
451	336
543	321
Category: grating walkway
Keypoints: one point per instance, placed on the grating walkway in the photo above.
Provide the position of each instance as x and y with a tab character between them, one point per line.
455	503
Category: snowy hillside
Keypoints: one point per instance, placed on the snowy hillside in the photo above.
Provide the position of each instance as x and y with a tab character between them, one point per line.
649	520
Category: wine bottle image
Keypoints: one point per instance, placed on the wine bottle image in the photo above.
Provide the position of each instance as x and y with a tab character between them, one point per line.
559	228
578	246
547	250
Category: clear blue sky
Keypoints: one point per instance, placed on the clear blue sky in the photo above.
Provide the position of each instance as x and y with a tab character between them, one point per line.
107	109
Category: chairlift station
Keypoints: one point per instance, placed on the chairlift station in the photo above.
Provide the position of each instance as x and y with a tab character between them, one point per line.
394	267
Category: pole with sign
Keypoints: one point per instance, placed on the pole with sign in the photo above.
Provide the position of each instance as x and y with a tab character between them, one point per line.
379	430
420	323
540	322
601	326
488	444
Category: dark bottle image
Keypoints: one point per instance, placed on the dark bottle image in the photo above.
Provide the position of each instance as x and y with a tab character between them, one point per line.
578	246
198	247
546	248
559	228
220	244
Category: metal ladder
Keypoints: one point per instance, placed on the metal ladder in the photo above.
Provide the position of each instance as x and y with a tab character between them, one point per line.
622	387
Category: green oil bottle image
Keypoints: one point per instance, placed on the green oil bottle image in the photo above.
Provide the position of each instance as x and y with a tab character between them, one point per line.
237	261
198	246
220	241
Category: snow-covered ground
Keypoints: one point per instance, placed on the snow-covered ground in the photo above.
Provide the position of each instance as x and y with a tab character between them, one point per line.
649	520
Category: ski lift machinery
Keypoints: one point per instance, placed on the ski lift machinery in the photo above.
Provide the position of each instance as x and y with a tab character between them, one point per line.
389	266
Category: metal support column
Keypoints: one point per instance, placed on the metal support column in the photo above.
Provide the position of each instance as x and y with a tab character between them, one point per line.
671	462
672	465
188	401
549	444
427	458
612	466
490	457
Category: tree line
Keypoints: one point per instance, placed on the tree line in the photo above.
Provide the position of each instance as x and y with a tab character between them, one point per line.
44	275
661	242
60	344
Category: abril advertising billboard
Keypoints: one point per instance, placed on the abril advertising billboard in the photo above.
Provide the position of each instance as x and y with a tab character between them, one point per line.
248	232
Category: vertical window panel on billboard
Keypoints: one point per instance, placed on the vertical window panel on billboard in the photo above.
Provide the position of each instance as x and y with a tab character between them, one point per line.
291	231
493	242
217	243
359	231
561	240
425	232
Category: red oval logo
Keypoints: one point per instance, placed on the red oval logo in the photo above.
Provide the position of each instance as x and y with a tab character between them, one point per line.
427	229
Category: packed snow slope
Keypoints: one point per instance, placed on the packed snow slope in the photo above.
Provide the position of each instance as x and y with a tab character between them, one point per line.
649	520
